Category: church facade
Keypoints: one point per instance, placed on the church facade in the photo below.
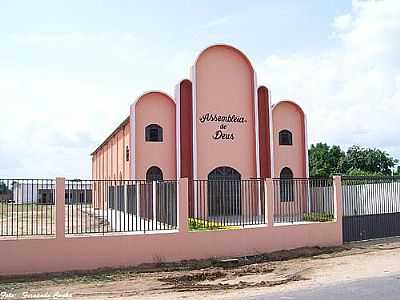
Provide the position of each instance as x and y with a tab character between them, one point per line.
219	124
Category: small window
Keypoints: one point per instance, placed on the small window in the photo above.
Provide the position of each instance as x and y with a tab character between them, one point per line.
285	137
286	185
127	153
154	133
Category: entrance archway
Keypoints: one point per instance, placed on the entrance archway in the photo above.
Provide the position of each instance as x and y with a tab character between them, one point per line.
154	174
224	192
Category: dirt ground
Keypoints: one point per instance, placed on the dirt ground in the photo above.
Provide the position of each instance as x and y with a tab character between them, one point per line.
218	279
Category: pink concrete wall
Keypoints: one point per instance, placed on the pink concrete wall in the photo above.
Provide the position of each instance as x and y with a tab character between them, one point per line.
82	253
288	115
224	84
155	108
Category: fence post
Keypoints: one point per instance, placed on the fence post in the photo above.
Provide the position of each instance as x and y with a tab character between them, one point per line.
269	201
338	202
183	207
60	208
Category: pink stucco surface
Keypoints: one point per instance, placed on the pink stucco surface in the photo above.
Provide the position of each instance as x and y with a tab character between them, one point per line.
109	161
155	108
224	84
288	115
92	252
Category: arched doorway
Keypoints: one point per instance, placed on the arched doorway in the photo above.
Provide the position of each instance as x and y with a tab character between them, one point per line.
224	192
154	174
286	185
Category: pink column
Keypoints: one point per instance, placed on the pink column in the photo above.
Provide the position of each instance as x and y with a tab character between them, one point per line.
60	208
183	206
269	201
338	204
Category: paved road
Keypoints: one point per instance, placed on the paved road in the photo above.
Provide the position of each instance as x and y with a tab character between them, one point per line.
387	288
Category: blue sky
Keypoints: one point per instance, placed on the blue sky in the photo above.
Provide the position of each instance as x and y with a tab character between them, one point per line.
70	69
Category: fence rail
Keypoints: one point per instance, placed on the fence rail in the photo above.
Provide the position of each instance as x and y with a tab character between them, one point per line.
223	204
27	207
303	199
370	195
105	206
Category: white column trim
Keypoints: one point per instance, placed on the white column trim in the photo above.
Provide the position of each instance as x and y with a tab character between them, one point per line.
271	135
256	125
178	129
306	145
132	151
194	120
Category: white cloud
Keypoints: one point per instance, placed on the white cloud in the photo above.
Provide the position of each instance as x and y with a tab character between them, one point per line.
78	86
351	93
217	22
343	22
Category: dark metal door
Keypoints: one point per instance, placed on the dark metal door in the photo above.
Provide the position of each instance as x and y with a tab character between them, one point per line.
224	192
371	207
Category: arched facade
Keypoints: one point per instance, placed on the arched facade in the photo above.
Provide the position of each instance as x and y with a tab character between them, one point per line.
154	109
287	116
218	117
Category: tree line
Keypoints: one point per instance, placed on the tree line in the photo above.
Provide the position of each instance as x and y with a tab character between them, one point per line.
325	160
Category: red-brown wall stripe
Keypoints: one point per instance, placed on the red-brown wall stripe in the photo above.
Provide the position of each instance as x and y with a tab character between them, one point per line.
264	132
186	128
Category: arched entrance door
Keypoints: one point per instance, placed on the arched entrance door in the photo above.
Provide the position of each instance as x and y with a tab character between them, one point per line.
154	174
224	192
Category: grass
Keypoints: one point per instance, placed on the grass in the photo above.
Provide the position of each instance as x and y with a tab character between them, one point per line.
318	217
202	225
39	219
9	209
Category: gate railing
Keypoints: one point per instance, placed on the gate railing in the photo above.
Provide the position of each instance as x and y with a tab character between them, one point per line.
370	195
371	207
27	207
303	200
226	204
103	206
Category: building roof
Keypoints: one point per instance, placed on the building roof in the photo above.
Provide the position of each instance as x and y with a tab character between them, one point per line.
126	121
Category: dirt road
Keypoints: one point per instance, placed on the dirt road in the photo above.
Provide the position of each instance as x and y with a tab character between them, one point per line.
280	271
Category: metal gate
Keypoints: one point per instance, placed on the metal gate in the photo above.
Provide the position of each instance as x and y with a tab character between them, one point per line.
371	207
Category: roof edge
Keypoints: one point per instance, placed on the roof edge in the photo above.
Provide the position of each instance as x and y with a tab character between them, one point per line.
124	122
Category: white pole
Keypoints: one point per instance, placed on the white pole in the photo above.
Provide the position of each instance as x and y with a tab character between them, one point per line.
154	200
137	199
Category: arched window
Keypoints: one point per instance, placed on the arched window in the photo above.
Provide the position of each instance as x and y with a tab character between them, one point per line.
285	137
286	185
154	174
154	133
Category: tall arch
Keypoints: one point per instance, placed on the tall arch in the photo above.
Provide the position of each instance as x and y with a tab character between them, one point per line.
224	192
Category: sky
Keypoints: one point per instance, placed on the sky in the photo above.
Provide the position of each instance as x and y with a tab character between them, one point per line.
69	70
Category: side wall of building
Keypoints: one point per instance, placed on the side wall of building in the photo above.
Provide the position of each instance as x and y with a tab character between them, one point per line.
112	159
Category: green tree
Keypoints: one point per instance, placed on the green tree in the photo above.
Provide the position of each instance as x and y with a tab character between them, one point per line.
325	160
3	188
396	172
370	161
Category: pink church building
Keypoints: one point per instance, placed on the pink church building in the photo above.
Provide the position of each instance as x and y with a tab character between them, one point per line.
219	124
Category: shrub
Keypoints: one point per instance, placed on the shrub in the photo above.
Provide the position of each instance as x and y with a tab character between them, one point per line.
318	217
197	224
